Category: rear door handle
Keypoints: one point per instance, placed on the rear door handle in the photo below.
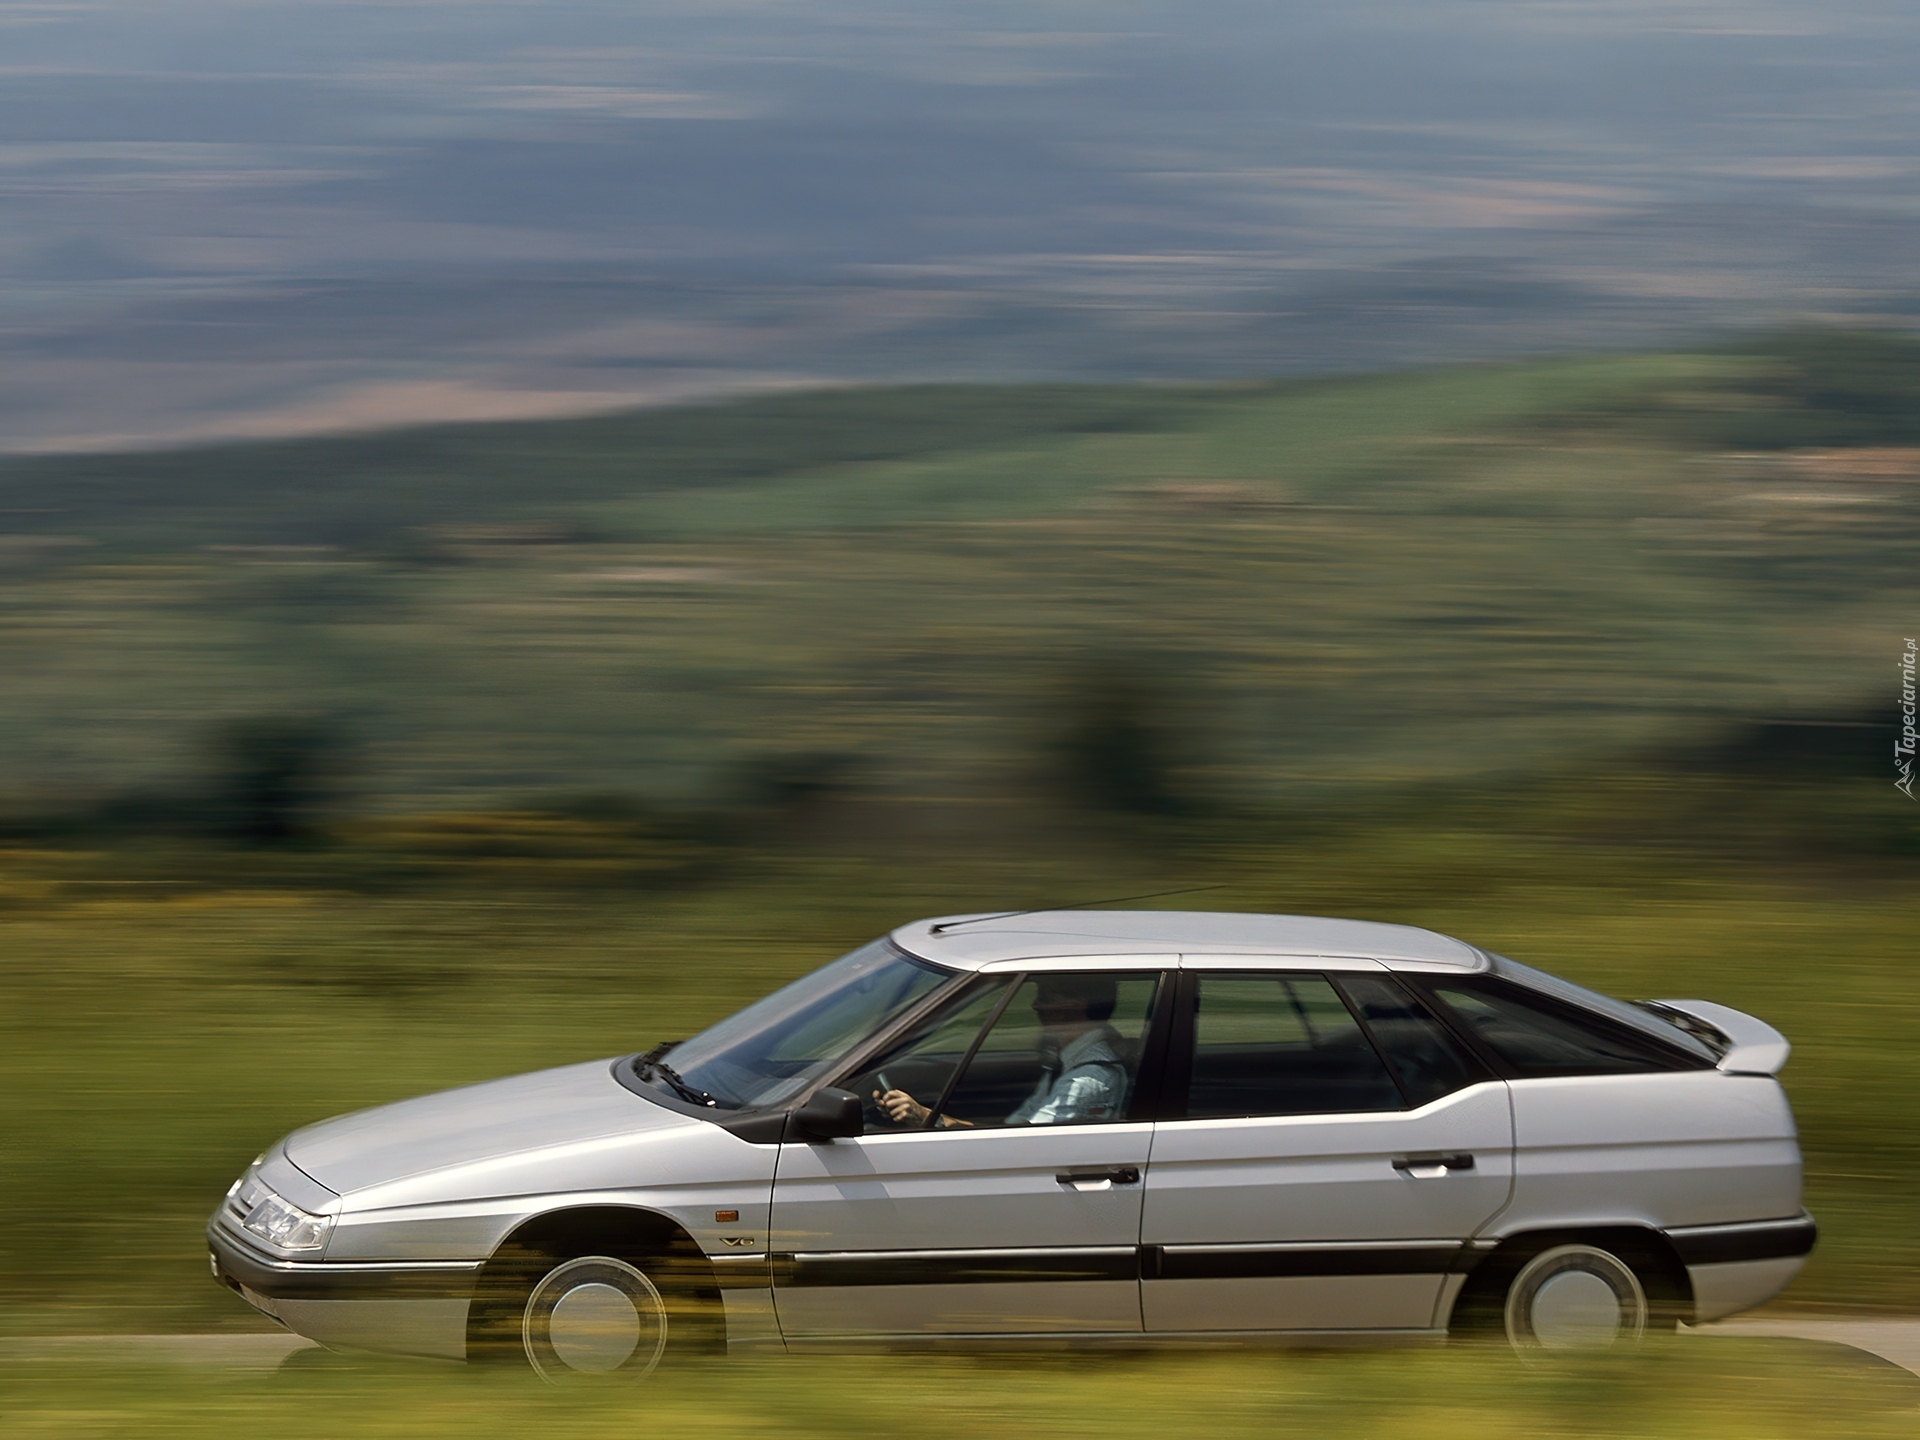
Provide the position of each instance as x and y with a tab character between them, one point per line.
1099	1179
1427	1167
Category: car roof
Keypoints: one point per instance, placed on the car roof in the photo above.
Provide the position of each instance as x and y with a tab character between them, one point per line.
992	939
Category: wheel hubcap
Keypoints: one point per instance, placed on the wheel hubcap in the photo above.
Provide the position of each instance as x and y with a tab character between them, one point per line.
594	1327
594	1317
1575	1297
1574	1309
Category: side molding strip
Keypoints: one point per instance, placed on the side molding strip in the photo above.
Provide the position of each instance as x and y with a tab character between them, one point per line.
1110	1263
1231	1262
956	1267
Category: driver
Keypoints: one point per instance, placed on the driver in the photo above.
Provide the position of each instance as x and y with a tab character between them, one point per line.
1082	1076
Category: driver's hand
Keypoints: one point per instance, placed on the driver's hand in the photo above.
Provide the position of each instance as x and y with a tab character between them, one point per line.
901	1107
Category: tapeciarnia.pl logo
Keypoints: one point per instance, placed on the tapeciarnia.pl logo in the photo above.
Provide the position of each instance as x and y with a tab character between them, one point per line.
1903	747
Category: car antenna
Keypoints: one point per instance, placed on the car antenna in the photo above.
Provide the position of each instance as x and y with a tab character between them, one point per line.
947	925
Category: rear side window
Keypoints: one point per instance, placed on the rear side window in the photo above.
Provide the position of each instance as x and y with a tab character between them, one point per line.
1281	1045
1536	1037
1428	1061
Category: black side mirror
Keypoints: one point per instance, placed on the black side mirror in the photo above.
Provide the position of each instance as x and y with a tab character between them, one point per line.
829	1114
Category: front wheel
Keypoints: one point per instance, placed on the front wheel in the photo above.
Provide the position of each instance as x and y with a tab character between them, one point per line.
594	1317
1575	1297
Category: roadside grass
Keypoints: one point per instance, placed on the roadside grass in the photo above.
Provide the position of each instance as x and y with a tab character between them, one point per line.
154	1039
1679	1390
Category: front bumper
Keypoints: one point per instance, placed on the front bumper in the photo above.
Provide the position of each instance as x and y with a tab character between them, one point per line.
241	1266
416	1307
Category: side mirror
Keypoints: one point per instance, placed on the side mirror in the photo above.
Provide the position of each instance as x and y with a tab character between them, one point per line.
829	1114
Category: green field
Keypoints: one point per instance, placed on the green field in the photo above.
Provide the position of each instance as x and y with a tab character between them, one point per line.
574	736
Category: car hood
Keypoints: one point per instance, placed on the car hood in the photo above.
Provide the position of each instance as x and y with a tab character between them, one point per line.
547	1110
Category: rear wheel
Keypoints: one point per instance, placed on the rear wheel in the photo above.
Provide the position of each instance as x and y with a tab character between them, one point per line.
1575	1297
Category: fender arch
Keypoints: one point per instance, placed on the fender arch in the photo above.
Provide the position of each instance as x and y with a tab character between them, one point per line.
645	1238
1477	1303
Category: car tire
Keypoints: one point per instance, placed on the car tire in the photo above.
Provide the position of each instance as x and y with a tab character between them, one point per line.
580	1318
1575	1297
594	1317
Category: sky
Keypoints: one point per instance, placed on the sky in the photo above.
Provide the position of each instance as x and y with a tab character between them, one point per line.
232	217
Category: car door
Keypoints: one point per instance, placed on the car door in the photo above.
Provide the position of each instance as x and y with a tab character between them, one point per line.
963	1223
1326	1150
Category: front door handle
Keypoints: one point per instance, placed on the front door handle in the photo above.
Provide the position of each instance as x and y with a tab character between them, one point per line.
1106	1179
1429	1167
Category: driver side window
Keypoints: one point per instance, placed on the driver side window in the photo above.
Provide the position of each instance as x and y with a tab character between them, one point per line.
923	1064
1065	1051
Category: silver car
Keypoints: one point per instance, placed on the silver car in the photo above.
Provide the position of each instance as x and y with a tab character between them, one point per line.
1071	1127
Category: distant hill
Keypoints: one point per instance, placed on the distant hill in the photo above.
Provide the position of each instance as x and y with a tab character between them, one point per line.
364	490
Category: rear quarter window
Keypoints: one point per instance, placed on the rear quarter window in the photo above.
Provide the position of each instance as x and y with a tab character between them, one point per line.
1535	1036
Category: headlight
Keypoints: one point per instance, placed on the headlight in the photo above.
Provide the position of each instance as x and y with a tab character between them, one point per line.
285	1226
246	1192
279	1222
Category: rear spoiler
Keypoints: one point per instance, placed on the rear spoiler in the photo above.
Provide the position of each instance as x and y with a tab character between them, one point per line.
1743	1045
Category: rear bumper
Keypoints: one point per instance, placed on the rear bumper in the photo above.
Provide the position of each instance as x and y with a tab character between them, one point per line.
1736	1267
1749	1240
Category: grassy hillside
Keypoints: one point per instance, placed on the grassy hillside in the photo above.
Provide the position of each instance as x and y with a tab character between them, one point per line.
1381	580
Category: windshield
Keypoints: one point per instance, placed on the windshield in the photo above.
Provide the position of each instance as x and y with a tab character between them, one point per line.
771	1049
1613	1009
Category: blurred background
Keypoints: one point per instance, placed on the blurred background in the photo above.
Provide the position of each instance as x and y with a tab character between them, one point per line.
254	217
523	527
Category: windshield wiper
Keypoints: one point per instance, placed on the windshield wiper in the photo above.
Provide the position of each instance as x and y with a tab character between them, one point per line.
650	1065
685	1091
